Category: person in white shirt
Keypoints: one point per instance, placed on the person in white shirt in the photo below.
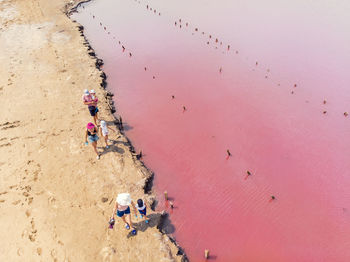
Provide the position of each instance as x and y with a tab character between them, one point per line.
104	131
122	210
142	208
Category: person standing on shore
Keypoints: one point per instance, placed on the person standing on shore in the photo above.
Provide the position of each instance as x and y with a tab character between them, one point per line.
104	131
90	99
122	210
91	134
142	208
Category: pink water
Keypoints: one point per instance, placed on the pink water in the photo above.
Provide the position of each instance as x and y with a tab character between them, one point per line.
275	98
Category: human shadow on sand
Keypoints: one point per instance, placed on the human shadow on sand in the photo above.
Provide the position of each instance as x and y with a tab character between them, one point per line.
112	148
161	221
115	123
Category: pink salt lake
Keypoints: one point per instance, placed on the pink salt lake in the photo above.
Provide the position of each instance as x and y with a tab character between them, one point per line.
272	89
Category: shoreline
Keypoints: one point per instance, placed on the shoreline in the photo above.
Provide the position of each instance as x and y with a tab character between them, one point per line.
170	250
108	96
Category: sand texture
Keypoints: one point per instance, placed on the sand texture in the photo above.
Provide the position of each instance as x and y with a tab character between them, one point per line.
55	197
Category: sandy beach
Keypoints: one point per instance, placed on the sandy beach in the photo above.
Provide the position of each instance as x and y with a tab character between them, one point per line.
55	197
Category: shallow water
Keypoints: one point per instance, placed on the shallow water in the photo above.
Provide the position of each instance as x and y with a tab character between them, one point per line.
273	90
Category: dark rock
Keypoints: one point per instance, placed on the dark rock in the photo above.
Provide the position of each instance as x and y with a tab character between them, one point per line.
147	188
103	75
103	83
104	199
99	62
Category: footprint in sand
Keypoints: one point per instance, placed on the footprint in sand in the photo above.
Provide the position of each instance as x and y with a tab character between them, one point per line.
16	202
28	213
31	237
32	234
19	251
107	253
51	201
25	233
53	254
30	200
35	173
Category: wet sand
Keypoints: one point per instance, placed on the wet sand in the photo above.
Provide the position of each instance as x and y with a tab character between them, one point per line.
55	197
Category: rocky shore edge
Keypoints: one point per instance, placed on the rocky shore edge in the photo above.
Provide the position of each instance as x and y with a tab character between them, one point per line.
69	9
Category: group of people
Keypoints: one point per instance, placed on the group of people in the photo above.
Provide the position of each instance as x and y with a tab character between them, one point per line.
92	130
123	200
122	210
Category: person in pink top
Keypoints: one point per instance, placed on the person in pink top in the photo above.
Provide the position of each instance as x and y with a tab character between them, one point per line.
90	99
91	134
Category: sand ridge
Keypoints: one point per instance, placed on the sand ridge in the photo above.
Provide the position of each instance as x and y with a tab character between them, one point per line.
55	197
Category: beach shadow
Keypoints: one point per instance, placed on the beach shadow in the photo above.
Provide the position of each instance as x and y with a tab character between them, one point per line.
154	220
112	123
165	226
116	142
112	148
127	127
115	123
161	221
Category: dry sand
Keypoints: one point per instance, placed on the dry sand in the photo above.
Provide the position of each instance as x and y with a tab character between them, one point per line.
55	197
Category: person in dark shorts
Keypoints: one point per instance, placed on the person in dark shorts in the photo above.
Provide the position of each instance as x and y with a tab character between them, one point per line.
90	99
122	210
142	208
91	134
